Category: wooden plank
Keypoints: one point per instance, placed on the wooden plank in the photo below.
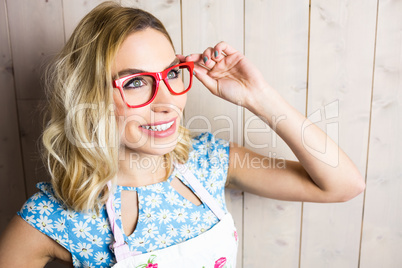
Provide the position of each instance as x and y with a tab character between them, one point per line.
205	23
36	32
277	42
382	235
31	122
74	11
12	187
342	38
167	11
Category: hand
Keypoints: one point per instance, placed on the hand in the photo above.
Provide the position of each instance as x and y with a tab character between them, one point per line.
228	74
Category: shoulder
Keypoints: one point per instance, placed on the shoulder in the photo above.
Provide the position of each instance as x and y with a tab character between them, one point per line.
206	145
45	213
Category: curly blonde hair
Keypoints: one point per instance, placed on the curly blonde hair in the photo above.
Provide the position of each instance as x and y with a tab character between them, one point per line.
81	140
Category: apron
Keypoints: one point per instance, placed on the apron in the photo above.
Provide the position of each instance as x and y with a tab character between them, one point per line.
215	248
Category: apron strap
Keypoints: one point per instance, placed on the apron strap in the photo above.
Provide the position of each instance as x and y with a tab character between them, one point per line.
205	196
120	248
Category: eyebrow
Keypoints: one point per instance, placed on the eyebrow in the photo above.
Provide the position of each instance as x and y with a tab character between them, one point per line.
131	71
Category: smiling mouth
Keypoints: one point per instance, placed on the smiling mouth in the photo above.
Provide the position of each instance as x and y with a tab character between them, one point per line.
161	127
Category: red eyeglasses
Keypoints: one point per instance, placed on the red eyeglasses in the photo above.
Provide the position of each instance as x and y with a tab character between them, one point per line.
138	90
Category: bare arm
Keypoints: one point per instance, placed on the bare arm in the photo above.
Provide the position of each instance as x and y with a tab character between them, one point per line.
21	245
330	177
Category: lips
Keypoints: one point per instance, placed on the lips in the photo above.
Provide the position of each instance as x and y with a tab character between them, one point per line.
160	129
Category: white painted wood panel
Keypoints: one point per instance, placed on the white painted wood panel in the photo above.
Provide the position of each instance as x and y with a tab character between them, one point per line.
36	33
204	24
74	11
167	11
276	40
382	225
342	35
12	185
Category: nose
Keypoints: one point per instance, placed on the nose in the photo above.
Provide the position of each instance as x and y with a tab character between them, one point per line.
164	100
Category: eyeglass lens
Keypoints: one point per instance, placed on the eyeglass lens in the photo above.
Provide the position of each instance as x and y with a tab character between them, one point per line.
139	90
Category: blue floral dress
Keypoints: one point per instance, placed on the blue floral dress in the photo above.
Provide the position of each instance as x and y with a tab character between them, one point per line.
165	217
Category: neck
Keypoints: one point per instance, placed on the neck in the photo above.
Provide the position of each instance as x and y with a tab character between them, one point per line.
139	169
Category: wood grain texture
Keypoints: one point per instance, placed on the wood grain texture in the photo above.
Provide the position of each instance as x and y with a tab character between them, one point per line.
167	11
36	32
12	185
277	42
205	23
382	233
74	11
31	122
342	35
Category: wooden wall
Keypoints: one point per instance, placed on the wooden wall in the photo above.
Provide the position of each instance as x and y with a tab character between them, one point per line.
338	62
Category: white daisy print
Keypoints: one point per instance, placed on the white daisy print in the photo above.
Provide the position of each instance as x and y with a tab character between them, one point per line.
180	215
140	242
84	249
163	241
195	217
164	216
148	216
45	224
30	219
36	196
150	231
211	186
222	155
153	200
171	230
103	226
87	264
204	162
201	228
81	229
151	248
157	188
187	231
91	217
186	204
215	172
100	257
60	224
209	217
58	239
95	240
172	198
201	174
31	207
45	207
70	214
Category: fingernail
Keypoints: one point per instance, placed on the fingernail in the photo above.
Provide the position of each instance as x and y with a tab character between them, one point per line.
216	53
194	73
188	55
205	59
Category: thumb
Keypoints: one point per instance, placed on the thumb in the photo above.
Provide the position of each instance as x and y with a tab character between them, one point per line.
202	75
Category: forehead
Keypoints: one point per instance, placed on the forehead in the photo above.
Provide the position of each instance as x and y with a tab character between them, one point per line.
148	50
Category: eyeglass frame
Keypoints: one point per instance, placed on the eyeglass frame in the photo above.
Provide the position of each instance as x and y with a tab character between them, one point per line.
158	76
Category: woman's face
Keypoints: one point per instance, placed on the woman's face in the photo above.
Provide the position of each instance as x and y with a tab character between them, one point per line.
148	51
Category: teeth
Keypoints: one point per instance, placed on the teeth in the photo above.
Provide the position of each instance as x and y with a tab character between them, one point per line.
161	127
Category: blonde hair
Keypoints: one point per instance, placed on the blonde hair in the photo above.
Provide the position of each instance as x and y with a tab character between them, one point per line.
81	140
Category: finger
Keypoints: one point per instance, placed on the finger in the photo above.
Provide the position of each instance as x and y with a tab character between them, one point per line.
181	57
202	75
207	58
223	48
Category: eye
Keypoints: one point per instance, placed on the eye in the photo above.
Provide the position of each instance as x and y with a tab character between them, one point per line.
174	73
134	83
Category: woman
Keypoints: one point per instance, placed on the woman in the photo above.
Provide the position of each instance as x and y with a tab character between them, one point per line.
129	184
